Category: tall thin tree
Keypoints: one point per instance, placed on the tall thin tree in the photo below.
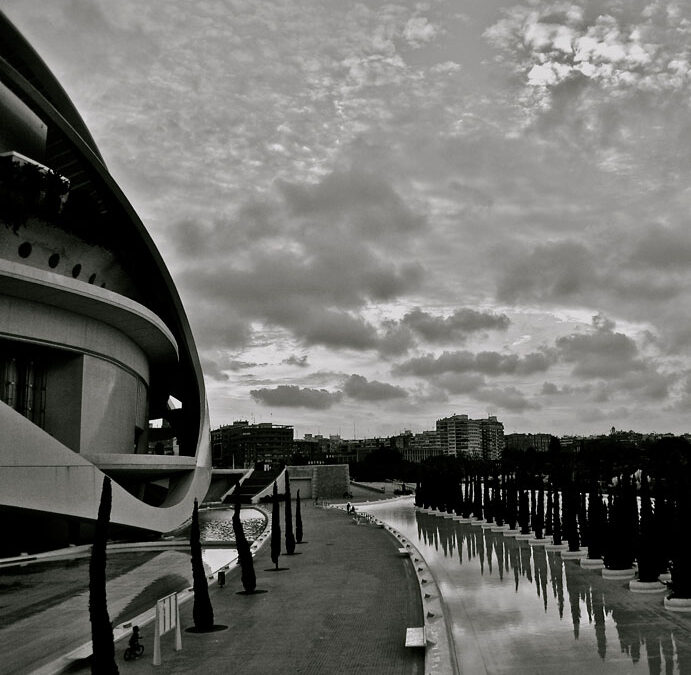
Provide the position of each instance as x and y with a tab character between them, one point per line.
103	659
275	528
202	611
298	519
247	575
290	537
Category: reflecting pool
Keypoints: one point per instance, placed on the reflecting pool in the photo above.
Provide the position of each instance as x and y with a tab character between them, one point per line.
217	525
518	609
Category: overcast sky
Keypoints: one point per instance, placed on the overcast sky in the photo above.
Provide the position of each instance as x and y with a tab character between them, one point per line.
378	214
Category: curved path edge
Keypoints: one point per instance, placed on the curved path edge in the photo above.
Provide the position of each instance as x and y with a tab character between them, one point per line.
440	654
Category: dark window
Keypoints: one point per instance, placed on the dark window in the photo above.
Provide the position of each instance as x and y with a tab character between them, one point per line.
23	384
24	249
92	278
76	270
53	260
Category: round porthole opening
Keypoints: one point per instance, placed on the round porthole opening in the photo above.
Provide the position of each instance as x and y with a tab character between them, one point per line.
53	260
92	278
24	249
76	270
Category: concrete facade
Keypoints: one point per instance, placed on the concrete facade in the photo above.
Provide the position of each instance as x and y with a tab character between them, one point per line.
94	341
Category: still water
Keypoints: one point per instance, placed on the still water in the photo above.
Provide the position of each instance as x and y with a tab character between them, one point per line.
518	609
217	525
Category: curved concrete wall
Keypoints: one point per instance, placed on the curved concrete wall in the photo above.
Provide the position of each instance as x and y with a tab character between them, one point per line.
105	317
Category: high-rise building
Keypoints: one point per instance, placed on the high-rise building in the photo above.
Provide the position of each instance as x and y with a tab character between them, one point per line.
95	342
460	436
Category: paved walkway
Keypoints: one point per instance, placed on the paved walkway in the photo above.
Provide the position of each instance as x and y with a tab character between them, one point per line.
342	607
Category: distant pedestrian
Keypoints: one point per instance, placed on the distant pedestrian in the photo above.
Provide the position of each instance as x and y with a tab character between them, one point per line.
348	508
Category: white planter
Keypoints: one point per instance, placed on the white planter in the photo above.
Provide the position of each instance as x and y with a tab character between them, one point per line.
477	523
534	541
665	576
488	526
500	528
646	586
524	537
556	547
511	533
621	575
592	563
678	604
574	555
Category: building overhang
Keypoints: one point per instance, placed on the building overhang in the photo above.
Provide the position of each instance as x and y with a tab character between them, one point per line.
135	321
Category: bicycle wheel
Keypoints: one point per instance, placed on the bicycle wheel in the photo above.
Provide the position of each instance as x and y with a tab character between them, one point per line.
140	650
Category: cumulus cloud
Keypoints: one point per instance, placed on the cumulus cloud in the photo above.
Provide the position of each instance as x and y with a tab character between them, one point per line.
488	363
358	387
506	398
454	327
299	361
419	30
601	353
292	396
552	271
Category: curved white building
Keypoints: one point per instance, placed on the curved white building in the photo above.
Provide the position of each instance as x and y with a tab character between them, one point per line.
94	342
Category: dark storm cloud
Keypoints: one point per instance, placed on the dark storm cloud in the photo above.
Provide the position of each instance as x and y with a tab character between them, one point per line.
488	363
292	396
358	387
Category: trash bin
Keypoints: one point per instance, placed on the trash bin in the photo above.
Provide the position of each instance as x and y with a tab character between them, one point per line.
221	579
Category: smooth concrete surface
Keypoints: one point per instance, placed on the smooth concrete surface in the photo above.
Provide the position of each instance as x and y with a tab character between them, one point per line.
342	606
526	611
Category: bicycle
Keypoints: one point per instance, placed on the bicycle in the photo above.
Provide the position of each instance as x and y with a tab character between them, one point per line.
134	652
135	649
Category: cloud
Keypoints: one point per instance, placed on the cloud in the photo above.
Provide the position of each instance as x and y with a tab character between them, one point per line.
299	361
418	30
314	256
555	271
506	398
602	353
358	387
292	396
454	327
663	248
488	363
236	365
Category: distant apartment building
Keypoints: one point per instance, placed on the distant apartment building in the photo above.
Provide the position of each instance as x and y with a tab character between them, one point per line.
460	436
242	444
492	438
422	446
521	442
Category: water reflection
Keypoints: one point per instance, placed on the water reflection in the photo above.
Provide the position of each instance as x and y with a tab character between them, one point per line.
525	598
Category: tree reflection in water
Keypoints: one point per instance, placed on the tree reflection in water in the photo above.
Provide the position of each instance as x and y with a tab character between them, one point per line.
649	635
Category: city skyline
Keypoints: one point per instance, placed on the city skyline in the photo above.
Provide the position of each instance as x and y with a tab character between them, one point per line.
379	216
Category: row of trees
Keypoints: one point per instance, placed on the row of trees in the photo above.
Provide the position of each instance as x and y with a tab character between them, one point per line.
622	519
103	658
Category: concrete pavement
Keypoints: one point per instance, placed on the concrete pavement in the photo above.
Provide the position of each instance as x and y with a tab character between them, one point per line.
343	606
